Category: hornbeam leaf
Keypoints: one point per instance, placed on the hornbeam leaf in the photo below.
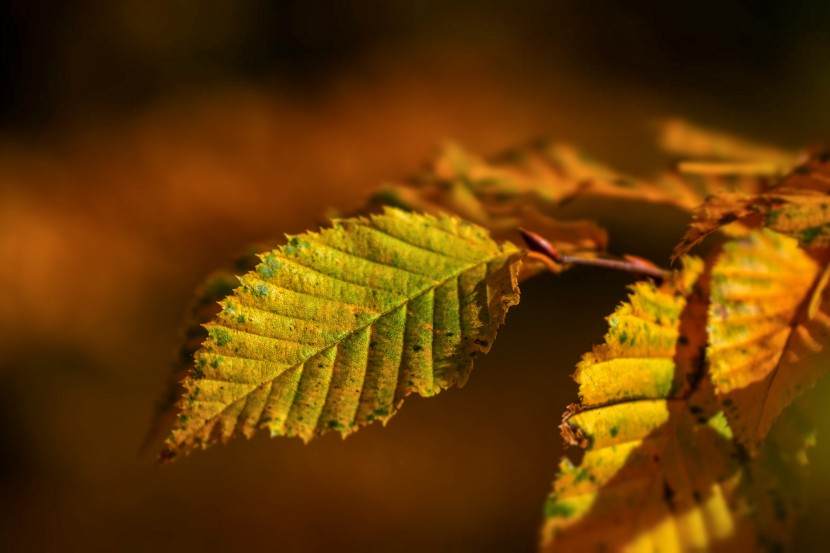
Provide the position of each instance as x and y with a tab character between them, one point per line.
564	173
496	192
500	195
569	173
769	319
694	188
661	470
530	182
333	330
629	418
798	206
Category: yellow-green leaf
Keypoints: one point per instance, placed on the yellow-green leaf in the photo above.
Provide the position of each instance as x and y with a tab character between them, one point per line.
204	307
768	321
661	471
334	329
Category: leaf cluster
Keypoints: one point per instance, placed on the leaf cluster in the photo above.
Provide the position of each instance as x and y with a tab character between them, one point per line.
689	415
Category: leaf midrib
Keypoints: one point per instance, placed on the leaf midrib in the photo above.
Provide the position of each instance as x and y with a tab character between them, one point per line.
435	284
800	318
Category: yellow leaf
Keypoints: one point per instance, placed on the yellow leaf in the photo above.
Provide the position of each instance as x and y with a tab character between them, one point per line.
661	471
768	320
334	329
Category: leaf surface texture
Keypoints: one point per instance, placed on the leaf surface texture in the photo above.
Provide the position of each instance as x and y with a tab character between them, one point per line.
334	329
798	206
768	323
661	470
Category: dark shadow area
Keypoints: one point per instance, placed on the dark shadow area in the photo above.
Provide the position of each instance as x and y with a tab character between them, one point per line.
143	143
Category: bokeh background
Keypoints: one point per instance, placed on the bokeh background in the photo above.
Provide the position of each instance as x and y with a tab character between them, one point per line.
144	142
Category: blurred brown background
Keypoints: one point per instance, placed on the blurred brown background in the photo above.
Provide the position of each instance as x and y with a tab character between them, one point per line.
143	143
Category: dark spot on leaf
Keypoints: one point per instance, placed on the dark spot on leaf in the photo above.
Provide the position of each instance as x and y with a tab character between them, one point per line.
416	347
668	495
779	505
741	453
809	235
167	454
554	509
266	271
220	335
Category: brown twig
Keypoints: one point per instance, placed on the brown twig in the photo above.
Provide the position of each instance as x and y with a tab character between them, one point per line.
543	251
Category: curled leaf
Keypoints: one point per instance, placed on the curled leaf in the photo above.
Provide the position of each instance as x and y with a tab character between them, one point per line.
798	206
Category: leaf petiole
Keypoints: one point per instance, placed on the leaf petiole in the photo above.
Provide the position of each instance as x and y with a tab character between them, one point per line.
543	251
